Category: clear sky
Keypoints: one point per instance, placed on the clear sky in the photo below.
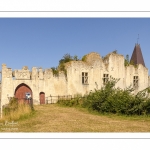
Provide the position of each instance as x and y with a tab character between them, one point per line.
42	42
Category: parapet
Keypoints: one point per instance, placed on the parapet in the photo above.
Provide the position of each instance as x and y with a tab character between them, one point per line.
24	73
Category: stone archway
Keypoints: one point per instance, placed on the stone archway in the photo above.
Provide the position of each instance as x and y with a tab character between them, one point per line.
42	97
21	90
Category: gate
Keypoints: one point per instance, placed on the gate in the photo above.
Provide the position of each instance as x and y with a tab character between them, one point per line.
20	92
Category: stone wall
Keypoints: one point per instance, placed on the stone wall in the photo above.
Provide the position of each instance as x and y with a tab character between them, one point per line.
38	80
92	68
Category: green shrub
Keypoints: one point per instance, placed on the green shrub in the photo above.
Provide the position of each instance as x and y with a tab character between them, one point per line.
84	58
77	101
115	100
109	99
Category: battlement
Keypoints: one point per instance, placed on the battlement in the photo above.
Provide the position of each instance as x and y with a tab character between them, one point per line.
26	74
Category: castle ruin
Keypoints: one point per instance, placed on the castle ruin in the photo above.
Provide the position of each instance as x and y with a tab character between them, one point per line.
81	78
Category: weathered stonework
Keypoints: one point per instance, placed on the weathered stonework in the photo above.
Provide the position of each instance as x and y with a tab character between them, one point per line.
95	66
22	74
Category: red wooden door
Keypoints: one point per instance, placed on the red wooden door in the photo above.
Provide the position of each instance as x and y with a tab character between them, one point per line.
42	98
21	90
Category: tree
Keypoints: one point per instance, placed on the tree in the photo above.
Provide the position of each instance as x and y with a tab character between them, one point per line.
127	62
75	57
61	67
66	58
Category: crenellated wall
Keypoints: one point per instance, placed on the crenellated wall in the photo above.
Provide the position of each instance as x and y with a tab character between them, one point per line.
38	80
94	65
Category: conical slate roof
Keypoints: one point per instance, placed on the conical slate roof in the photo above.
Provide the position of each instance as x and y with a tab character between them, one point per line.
137	57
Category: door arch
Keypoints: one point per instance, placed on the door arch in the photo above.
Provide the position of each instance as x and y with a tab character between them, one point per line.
20	91
42	97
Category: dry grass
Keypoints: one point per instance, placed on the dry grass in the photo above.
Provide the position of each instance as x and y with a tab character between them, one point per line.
53	118
22	111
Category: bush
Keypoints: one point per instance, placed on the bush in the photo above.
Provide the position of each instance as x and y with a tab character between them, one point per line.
115	100
12	106
77	101
109	99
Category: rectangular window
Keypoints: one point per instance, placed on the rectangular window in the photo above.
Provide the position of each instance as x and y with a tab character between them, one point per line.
84	78
105	78
135	81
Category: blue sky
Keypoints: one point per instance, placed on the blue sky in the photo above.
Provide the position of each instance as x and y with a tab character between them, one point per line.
42	42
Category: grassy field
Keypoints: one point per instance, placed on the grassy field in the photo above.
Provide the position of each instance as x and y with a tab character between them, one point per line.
55	118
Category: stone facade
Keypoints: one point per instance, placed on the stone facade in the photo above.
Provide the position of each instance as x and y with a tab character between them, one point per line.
82	77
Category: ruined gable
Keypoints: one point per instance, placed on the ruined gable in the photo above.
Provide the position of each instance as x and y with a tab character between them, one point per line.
93	57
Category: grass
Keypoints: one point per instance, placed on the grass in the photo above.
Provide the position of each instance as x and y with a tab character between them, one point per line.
22	111
55	118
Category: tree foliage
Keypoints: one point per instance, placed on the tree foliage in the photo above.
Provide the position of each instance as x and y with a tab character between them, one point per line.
127	62
61	67
84	58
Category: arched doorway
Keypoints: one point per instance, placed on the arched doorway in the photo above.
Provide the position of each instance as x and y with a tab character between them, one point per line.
42	98
21	90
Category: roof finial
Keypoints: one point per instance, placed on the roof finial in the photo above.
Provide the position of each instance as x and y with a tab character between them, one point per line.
137	38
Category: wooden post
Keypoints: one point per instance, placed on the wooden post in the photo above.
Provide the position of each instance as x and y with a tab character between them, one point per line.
1	109
31	101
51	99
46	100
